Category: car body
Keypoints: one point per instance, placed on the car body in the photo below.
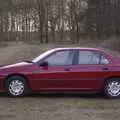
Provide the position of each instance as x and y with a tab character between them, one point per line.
65	70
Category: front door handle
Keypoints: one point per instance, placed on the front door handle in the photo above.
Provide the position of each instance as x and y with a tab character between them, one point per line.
67	69
105	68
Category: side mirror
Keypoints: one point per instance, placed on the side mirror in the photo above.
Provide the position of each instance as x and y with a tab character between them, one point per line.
44	64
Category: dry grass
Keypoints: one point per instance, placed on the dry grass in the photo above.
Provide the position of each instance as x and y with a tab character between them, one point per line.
46	107
15	52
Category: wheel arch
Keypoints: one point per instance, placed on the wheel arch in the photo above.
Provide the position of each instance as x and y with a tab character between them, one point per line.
16	74
108	78
104	88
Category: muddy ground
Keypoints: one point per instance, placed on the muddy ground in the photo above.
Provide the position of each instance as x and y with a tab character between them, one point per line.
51	106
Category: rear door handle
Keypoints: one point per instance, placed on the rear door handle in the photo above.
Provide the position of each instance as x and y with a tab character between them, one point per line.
105	68
67	69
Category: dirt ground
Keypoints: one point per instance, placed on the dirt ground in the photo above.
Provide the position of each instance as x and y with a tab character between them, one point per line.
47	106
58	107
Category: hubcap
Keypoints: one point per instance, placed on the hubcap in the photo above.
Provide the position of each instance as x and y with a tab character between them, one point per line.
16	87
114	88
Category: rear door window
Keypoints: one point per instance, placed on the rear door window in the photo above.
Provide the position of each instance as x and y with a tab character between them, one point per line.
88	57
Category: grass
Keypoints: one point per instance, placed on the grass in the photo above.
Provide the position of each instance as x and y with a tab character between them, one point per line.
11	52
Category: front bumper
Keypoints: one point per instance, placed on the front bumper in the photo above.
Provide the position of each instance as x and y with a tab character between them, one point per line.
2	85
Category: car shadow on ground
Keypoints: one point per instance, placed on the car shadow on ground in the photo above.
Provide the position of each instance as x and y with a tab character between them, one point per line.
60	95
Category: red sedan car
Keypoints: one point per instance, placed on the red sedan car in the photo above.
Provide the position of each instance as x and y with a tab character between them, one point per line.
64	70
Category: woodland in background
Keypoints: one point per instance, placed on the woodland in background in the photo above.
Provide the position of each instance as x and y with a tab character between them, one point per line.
57	21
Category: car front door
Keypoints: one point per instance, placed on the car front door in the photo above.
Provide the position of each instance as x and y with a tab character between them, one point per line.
57	75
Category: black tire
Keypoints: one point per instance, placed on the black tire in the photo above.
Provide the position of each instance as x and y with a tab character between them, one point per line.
111	89
16	80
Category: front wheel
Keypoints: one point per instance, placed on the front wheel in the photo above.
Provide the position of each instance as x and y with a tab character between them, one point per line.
16	86
112	88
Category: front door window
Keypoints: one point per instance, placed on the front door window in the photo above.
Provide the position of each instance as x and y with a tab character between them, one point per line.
60	58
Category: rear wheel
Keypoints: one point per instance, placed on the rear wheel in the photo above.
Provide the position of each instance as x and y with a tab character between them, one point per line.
16	86
112	88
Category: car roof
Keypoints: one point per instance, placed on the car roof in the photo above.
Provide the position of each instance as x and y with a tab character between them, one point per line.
100	49
78	48
103	50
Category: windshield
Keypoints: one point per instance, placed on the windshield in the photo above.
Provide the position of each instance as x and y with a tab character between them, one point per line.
42	55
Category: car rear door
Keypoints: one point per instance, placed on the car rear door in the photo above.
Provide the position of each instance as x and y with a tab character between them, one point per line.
90	70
